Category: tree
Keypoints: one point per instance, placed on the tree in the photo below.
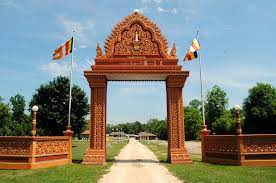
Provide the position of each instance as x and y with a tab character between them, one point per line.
216	105
22	122
195	103
5	119
53	99
260	109
193	122
157	127
225	124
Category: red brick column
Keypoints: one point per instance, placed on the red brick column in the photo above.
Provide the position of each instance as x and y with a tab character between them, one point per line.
96	154
204	132
177	152
69	134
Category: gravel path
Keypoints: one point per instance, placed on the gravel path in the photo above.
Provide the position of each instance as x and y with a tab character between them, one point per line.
136	163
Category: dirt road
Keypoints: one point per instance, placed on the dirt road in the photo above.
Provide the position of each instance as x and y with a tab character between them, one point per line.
136	163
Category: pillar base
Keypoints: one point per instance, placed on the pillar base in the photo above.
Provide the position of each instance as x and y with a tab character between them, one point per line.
94	157
179	156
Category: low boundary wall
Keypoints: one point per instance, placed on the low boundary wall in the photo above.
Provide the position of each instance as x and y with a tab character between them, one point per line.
27	152
242	150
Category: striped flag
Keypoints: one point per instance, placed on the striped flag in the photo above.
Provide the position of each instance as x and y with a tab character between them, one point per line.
192	53
63	50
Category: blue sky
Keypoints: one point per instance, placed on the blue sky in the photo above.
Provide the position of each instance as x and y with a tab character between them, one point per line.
237	40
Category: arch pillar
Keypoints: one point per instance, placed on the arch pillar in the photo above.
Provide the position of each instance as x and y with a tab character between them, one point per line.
96	153
177	152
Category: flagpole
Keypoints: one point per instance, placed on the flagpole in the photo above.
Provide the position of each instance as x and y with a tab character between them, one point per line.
71	74
201	84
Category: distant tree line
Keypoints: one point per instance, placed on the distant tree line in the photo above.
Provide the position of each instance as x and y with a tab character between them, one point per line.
258	113
155	126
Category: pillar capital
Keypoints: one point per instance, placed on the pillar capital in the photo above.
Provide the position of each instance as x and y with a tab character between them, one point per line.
96	81
176	80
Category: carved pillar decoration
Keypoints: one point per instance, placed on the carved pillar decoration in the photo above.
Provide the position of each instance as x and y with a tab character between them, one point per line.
177	152
96	154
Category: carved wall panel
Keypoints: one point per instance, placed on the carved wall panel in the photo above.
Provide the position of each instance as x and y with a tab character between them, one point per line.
51	147
221	145
150	39
14	147
146	46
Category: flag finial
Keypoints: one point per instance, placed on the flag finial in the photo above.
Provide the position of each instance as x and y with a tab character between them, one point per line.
99	52
173	51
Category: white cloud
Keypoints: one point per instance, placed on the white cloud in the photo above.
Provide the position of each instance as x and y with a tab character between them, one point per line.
141	10
83	46
162	10
174	11
63	68
81	28
56	69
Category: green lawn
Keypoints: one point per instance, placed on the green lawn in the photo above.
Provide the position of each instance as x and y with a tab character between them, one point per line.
205	172
68	173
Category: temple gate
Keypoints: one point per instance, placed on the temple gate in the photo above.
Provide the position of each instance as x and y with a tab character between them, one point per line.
136	50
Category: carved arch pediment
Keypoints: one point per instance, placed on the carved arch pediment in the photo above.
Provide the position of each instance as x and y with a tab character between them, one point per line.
136	35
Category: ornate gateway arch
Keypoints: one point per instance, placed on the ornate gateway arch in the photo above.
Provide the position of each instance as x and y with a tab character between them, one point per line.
136	50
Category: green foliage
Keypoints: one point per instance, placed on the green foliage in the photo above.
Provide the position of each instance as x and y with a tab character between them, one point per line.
193	122
53	99
195	103
216	105
155	126
74	172
205	172
22	123
260	109
6	127
225	124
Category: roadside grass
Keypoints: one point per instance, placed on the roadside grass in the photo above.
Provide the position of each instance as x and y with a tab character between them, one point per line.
74	172
205	172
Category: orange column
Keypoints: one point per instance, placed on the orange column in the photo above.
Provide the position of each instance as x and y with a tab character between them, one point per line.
177	152
69	134
203	133
96	153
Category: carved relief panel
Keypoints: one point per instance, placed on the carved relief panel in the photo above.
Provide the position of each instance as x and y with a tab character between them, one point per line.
136	41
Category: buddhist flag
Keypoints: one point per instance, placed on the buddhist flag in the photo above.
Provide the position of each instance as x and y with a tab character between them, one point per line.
63	50
191	56
192	53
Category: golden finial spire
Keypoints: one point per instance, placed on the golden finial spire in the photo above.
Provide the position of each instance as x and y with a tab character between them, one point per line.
99	52
173	51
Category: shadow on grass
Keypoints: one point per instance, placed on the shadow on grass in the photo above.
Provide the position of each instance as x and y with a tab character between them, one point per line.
76	161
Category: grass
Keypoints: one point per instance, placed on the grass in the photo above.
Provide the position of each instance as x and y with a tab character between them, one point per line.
205	172
74	172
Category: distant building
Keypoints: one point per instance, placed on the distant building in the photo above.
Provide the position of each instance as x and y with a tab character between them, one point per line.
146	136
131	136
117	135
85	134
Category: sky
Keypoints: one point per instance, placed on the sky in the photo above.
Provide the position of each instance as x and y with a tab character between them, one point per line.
237	41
